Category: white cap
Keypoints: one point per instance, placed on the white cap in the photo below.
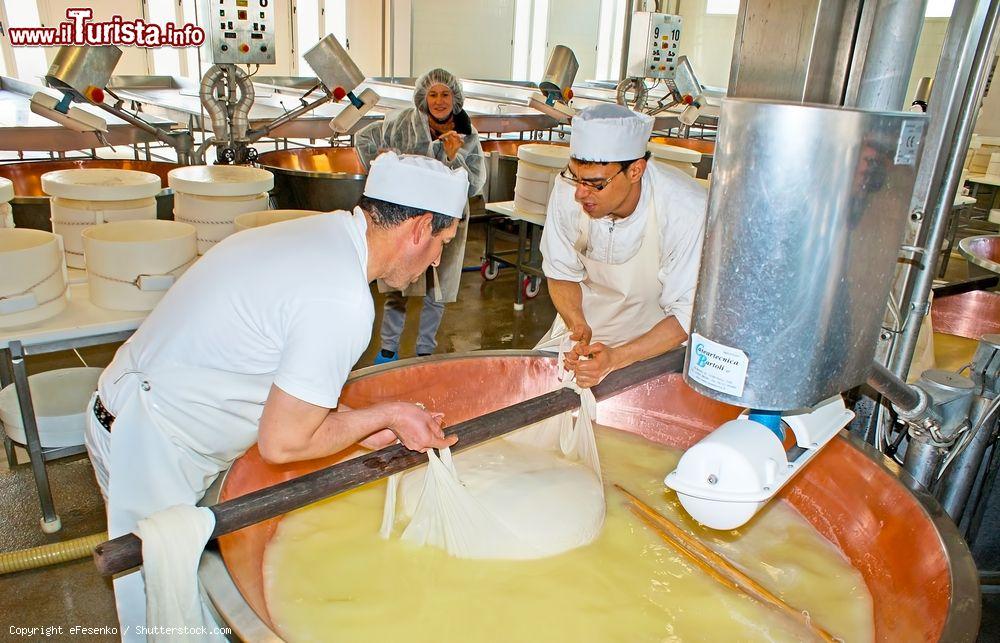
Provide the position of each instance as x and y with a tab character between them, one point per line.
418	182
609	133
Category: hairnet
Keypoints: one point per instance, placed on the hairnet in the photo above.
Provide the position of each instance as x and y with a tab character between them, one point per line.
438	77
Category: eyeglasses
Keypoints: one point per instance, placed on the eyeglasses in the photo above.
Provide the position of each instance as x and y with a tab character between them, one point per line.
595	186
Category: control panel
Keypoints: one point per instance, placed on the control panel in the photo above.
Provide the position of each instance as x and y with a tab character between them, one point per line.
239	32
653	45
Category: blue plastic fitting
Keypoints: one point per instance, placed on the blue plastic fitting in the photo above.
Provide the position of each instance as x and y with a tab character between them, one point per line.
64	103
770	419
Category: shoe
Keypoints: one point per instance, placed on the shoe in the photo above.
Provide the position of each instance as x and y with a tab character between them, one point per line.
423	354
384	357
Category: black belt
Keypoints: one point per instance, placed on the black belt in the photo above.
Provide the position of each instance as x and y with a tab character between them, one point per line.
103	415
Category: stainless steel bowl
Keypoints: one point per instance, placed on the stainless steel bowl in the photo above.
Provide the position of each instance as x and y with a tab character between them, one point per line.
982	251
315	178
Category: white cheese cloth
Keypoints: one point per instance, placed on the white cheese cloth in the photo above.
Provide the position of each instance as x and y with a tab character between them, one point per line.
172	543
533	494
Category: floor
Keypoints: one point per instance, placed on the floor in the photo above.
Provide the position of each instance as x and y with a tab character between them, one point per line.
73	594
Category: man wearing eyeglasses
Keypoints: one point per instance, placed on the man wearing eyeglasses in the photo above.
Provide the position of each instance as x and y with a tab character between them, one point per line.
621	247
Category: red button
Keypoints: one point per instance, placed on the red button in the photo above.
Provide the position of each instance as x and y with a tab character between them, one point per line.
339	93
244	48
94	94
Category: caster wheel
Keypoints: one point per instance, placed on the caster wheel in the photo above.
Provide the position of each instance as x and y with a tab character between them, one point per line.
531	287
490	270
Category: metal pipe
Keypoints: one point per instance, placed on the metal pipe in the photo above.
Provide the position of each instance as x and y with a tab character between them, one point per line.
890	53
923	459
954	106
289	116
956	484
982	501
626	34
230	78
216	110
902	395
977	490
241	112
180	141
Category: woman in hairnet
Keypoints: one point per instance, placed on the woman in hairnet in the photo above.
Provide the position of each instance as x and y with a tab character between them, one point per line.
437	127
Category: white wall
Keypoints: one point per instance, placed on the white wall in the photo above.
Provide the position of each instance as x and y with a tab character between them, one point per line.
470	38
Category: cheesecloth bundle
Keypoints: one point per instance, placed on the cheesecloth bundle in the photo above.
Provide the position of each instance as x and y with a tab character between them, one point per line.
535	493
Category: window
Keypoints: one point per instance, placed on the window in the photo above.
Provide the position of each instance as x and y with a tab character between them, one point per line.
189	14
609	39
166	60
939	8
531	18
539	30
722	7
307	25
336	19
29	62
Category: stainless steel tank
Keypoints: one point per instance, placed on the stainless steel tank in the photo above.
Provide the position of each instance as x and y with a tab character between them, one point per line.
315	178
805	219
920	574
31	204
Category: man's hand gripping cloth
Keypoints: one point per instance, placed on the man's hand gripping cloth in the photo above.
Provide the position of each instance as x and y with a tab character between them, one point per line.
535	493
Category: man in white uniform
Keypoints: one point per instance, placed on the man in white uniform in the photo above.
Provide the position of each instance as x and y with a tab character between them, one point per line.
254	343
621	247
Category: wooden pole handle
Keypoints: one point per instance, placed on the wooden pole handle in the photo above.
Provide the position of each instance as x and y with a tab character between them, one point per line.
125	552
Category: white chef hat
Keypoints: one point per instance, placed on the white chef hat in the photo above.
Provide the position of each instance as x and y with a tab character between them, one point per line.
607	133
418	182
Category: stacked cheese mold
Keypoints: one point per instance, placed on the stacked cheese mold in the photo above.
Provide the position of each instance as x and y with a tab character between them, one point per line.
85	197
267	217
538	167
679	157
60	400
6	196
210	197
131	264
32	276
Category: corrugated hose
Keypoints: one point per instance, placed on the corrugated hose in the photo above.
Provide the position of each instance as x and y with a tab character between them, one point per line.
61	552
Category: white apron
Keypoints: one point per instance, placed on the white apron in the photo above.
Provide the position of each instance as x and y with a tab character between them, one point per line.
620	302
156	459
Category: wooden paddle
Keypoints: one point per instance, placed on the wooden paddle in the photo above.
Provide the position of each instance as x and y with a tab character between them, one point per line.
714	564
125	552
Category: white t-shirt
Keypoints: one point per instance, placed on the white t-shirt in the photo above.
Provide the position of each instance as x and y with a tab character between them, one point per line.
681	204
287	303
